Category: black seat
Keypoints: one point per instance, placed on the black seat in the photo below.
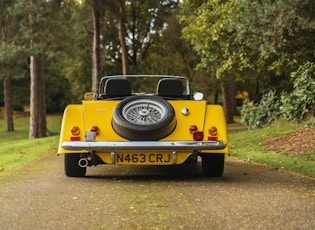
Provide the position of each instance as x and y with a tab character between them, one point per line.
170	87
117	87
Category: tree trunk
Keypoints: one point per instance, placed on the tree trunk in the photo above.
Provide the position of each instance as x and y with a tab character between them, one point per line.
124	52
228	88
96	53
37	98
8	105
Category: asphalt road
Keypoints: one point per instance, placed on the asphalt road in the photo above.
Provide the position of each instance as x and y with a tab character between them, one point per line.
248	196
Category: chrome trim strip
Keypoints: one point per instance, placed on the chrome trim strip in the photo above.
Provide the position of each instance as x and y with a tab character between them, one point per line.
112	157
174	158
143	145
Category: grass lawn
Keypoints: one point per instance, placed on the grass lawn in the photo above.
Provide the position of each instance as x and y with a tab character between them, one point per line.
17	150
251	145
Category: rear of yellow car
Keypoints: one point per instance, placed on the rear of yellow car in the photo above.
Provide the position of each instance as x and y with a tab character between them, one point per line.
143	130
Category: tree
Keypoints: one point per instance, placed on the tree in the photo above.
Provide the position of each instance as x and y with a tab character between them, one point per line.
74	64
43	18
37	86
8	105
37	97
143	21
5	37
12	52
96	53
234	38
170	47
211	29
121	35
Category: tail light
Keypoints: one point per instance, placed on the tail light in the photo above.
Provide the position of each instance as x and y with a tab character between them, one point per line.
193	128
95	129
213	131
198	136
75	131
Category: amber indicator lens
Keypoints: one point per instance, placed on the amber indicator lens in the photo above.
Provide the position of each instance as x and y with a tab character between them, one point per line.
213	130
75	130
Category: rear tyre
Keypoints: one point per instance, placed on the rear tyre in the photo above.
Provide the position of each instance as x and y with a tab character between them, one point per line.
71	164
213	164
144	118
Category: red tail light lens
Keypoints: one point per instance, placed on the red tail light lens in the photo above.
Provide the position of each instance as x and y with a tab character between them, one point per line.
95	129
198	136
77	138
193	128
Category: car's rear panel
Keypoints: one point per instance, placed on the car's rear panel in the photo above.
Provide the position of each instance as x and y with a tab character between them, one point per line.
99	113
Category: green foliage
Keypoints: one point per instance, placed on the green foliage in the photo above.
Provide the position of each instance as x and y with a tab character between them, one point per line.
211	28
170	48
297	105
267	38
300	103
251	39
262	114
145	22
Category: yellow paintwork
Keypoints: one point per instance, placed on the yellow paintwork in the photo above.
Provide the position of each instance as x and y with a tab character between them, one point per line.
72	116
215	116
99	113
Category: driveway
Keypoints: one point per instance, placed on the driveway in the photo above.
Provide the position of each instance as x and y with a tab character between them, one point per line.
248	196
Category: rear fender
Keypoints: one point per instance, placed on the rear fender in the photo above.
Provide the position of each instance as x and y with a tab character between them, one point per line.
215	117
72	116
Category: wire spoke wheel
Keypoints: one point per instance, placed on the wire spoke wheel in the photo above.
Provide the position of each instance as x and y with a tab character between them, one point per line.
144	112
145	117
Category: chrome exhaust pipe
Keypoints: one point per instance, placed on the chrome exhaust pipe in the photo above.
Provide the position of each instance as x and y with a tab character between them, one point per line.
83	162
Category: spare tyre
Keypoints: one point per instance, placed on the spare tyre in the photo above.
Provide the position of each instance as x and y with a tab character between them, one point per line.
144	118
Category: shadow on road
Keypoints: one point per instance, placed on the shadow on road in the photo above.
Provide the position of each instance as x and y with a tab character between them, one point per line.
239	172
146	173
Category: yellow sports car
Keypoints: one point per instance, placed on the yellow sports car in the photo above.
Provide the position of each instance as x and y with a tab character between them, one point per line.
143	120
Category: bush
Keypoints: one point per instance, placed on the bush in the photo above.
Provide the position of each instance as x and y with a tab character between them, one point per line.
300	103
262	114
297	106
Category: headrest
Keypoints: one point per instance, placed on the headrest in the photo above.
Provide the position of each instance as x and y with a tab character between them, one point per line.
170	87
117	87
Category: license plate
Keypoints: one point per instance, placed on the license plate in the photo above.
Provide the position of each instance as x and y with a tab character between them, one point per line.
144	158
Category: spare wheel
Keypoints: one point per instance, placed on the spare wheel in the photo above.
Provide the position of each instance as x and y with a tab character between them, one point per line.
144	118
